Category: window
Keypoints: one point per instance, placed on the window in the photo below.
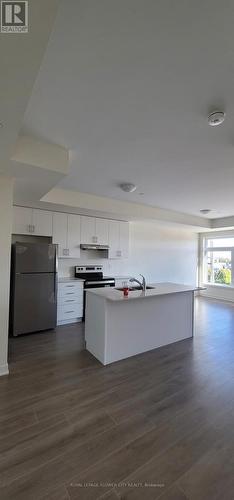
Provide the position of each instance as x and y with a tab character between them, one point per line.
218	260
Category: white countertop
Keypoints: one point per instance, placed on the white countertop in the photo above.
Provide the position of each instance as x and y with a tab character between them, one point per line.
69	280
160	289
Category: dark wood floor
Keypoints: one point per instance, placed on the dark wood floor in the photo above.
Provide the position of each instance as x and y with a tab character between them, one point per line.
159	425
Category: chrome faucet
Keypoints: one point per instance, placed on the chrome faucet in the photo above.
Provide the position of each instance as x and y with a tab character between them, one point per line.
142	285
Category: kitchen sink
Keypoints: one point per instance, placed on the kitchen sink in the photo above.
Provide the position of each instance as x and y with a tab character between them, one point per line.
135	288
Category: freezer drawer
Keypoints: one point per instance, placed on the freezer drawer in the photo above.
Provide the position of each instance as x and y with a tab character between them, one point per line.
34	303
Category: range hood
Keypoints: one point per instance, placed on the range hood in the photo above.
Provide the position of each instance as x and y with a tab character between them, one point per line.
93	246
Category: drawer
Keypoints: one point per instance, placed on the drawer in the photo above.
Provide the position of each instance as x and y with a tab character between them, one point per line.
70	299
69	311
70	289
71	285
70	293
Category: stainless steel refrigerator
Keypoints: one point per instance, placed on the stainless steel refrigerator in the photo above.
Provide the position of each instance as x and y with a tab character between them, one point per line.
33	288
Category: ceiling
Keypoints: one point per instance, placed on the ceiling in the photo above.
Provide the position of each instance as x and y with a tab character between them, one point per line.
21	55
127	85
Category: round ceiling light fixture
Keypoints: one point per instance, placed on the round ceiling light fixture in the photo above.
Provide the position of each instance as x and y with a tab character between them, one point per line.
205	211
128	187
216	118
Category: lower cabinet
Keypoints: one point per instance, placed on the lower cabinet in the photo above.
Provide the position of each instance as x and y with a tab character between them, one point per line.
70	302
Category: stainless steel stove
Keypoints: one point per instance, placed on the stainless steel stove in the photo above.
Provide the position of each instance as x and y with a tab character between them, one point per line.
93	276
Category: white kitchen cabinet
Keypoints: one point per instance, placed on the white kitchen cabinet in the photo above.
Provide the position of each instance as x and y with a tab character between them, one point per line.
94	230
66	234
42	222
118	240
124	239
73	235
70	302
22	220
68	231
32	221
113	239
102	231
88	230
60	233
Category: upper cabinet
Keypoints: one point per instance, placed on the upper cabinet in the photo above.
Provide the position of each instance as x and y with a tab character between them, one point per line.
113	239
124	239
118	239
73	235
22	220
66	234
32	221
60	233
94	230
42	222
68	231
88	231
102	231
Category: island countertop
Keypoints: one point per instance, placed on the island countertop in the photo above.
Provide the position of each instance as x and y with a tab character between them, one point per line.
159	289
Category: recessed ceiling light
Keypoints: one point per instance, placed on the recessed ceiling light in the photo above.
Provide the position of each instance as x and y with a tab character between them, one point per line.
205	211
128	187
216	118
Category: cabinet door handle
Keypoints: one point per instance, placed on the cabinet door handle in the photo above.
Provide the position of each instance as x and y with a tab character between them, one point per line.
68	312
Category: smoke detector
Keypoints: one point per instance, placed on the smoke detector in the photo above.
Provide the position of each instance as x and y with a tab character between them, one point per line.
216	118
205	211
128	187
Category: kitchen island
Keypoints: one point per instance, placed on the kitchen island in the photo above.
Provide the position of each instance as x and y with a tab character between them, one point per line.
118	327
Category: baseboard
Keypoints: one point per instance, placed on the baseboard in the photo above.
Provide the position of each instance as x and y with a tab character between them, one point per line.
4	370
217	296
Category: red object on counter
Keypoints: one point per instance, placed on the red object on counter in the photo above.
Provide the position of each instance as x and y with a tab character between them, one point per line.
125	291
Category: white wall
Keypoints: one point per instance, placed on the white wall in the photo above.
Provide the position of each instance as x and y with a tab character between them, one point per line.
6	196
159	252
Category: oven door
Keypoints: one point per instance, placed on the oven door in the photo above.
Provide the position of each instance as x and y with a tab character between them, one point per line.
96	284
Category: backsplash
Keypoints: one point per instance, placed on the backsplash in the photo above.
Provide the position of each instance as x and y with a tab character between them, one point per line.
110	267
